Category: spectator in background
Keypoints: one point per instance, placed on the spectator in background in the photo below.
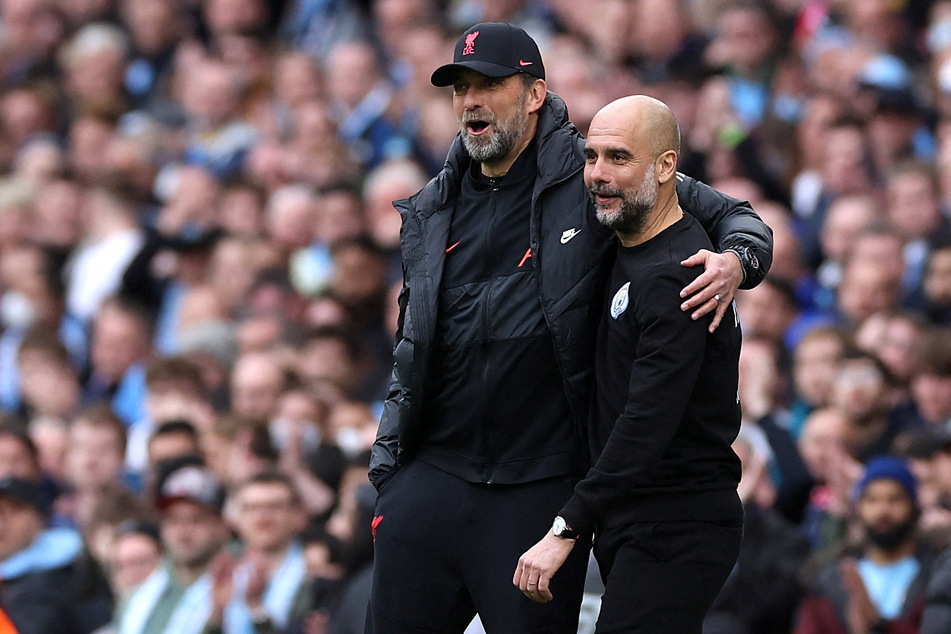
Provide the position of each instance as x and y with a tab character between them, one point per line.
175	391
32	312
815	363
360	99
112	238
257	381
57	218
331	358
217	136
49	385
879	584
266	586
155	29
94	62
177	597
316	27
845	169
928	454
824	447
392	180
136	553
182	236
299	432
120	346
115	506
29	109
769	310
171	440
764	417
94	461
847	217
235	264
865	391
930	379
42	587
18	455
894	345
936	286
914	209
868	286
290	219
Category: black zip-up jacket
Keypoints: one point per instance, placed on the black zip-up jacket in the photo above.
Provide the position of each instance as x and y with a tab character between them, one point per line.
570	276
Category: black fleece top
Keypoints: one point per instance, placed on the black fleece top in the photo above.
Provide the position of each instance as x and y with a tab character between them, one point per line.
666	409
497	411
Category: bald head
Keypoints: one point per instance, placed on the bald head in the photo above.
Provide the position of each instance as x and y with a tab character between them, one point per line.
647	120
631	166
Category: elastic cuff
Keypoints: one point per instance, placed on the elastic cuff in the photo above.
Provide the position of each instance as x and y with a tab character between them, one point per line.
578	516
739	258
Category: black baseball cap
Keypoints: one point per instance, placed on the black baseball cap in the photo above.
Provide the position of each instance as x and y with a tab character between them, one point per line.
494	49
25	492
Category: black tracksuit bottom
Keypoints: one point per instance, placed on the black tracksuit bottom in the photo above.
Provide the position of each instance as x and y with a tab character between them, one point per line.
447	549
662	577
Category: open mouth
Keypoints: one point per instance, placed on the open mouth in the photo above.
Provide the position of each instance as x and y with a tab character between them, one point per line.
603	196
477	127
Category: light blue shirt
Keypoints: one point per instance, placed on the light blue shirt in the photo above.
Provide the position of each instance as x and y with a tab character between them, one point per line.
888	584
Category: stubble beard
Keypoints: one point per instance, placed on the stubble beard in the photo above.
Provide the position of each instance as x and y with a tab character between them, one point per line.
503	137
635	208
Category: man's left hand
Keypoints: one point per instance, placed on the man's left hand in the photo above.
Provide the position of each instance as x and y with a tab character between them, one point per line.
721	277
539	564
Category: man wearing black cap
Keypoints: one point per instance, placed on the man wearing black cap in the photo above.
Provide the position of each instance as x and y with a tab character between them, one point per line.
41	589
483	432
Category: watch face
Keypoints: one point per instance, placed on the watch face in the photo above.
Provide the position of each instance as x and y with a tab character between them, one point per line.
559	526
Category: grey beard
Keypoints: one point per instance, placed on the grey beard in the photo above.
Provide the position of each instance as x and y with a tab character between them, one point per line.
635	210
630	219
500	142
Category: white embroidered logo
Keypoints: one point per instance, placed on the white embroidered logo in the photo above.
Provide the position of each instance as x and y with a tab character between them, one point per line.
619	303
568	234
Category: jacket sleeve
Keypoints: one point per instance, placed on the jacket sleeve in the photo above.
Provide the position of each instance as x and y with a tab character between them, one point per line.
731	224
384	454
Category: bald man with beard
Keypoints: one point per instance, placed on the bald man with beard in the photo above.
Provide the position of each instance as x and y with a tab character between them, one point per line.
661	497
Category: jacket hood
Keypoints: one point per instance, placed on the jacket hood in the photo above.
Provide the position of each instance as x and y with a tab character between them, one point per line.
53	548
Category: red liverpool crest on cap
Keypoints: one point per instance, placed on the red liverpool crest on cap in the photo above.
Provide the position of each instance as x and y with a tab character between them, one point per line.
470	43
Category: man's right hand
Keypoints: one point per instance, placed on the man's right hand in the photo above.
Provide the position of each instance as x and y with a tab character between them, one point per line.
539	564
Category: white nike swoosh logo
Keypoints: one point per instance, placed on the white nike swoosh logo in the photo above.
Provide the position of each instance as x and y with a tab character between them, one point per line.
568	234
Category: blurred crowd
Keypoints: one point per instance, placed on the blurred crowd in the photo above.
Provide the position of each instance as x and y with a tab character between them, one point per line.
199	264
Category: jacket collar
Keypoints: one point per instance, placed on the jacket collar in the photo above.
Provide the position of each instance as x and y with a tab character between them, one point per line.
559	156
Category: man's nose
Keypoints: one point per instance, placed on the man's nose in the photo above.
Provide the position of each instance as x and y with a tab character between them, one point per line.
473	99
595	172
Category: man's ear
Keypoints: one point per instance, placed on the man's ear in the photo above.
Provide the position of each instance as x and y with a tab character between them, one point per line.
666	166
536	95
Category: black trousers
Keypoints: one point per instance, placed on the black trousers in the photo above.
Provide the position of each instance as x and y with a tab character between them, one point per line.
662	577
447	549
